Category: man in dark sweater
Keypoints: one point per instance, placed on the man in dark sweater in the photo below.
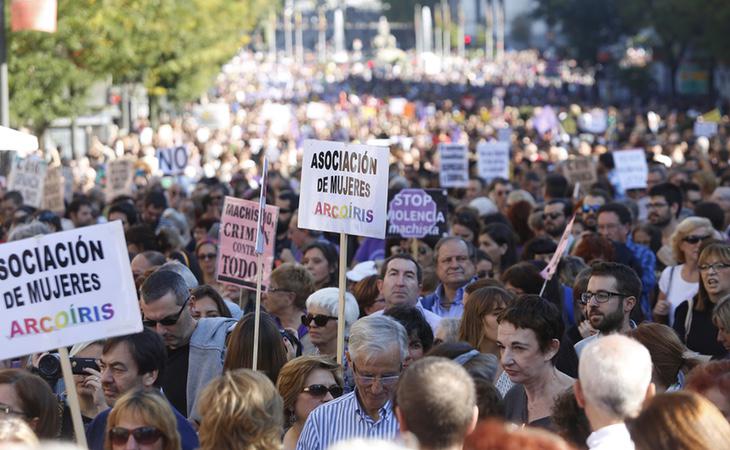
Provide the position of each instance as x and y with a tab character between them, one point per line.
127	363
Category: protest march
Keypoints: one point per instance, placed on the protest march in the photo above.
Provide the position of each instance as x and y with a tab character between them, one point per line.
428	251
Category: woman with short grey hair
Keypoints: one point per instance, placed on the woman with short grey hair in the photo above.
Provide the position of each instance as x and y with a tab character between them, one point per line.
321	318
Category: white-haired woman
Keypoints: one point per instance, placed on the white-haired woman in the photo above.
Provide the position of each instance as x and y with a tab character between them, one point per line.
321	318
681	282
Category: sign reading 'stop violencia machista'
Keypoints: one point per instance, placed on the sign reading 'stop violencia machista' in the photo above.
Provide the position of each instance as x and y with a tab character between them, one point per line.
344	188
64	288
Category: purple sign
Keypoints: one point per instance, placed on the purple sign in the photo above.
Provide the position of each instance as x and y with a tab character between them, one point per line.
414	213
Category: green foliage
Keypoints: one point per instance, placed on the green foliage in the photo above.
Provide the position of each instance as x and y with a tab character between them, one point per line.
173	47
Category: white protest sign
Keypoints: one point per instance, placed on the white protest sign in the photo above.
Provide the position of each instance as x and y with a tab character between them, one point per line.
344	188
216	116
28	177
119	178
504	134
493	160
706	129
237	242
53	190
173	161
64	288
454	165
631	168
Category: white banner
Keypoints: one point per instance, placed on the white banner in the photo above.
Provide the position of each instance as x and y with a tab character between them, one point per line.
454	171
706	129
28	177
344	188
173	161
631	168
493	160
64	288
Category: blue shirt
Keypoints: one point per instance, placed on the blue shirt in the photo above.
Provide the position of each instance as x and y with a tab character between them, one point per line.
432	302
96	431
344	418
647	260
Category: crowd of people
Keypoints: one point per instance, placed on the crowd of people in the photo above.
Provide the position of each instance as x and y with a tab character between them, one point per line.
450	341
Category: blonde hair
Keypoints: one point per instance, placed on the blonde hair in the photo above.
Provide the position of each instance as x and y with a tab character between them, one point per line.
721	314
241	410
16	431
680	421
293	376
154	411
683	230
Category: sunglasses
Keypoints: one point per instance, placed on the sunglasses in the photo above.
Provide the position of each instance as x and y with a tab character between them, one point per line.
205	256
318	319
143	435
320	390
167	321
696	239
591	208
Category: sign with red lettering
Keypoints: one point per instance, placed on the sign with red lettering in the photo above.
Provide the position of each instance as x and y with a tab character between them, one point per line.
237	243
64	288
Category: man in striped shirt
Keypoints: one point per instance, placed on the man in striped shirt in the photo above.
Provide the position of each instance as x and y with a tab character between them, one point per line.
378	346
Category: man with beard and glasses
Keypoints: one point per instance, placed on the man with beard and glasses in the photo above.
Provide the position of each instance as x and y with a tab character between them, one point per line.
665	204
613	291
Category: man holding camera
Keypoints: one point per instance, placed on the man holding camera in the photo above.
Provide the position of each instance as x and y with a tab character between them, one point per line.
127	363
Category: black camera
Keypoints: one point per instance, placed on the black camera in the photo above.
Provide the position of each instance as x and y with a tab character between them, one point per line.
49	366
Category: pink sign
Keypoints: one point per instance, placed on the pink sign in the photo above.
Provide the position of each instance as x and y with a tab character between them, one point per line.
237	242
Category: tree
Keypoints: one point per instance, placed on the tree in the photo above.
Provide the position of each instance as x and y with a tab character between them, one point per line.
403	10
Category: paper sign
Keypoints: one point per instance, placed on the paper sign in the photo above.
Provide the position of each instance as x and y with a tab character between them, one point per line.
706	129
119	178
549	270
27	177
64	288
504	134
418	213
173	161
546	120
631	168
237	242
216	116
53	190
344	188
580	170
493	160
454	165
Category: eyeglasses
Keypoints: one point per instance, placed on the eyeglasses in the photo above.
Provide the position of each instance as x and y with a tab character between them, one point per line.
656	205
320	390
718	266
319	320
368	380
554	215
143	435
167	321
601	297
206	256
9	411
696	239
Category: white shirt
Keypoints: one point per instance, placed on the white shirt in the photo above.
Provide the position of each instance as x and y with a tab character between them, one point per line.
679	290
612	437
